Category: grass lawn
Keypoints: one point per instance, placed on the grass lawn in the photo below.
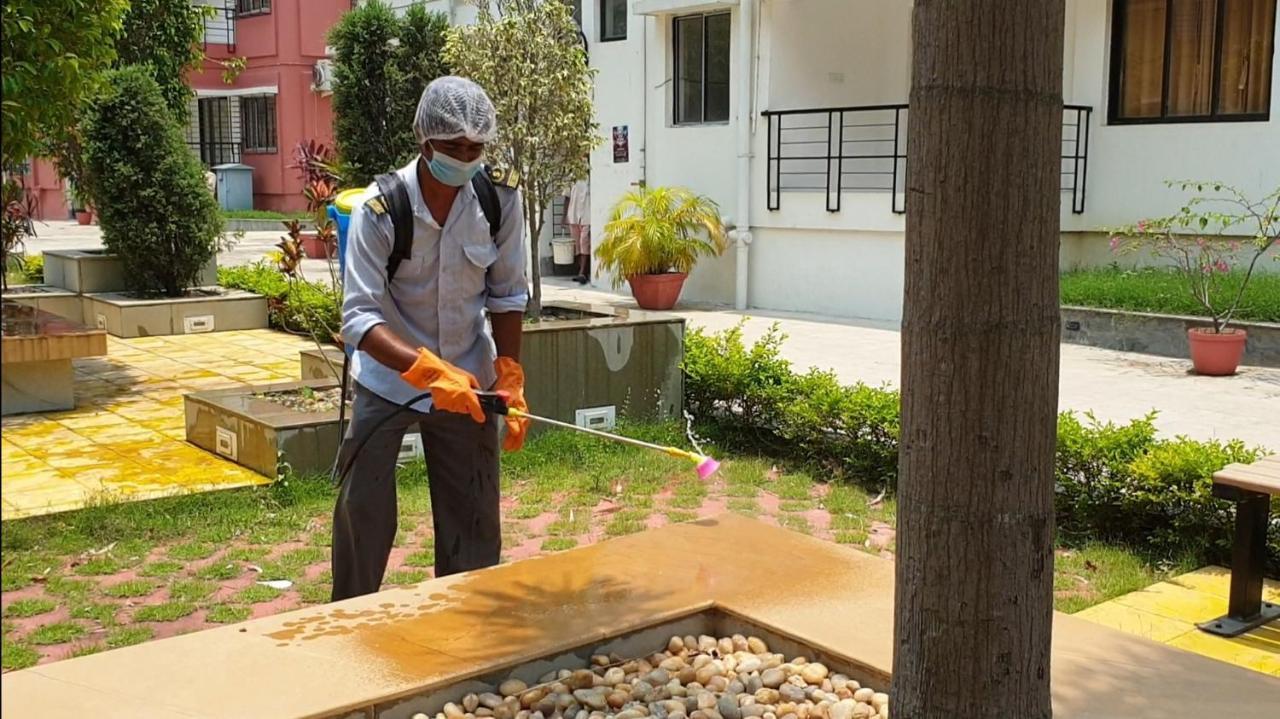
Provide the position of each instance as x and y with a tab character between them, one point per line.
111	576
1163	291
262	215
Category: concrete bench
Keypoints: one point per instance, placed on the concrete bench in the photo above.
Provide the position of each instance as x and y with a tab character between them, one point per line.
1251	487
38	347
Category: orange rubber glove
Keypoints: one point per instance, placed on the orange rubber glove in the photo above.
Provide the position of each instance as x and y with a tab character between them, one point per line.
452	389
511	382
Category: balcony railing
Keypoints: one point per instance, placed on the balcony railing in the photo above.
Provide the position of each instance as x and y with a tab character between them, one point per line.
212	154
864	149
220	24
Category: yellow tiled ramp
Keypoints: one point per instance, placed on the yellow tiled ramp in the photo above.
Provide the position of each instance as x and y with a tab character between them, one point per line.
125	440
1169	611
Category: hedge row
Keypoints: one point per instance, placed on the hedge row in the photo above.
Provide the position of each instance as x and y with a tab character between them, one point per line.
1115	483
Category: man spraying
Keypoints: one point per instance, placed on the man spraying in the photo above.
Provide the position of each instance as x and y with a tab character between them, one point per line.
431	249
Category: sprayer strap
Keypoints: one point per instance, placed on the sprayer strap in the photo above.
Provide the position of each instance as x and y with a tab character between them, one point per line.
395	194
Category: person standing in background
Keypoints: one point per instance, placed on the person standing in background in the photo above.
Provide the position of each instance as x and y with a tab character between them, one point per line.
577	215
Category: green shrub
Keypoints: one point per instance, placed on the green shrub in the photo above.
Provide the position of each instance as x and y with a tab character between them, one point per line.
1115	483
156	213
33	269
302	307
377	84
1121	483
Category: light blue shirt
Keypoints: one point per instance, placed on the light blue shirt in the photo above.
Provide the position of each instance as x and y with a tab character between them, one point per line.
440	293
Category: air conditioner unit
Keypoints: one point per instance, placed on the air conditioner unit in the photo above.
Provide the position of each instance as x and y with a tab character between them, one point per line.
322	76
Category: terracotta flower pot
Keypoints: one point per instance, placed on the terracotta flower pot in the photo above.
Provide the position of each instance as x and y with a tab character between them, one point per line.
315	248
657	292
1216	354
84	217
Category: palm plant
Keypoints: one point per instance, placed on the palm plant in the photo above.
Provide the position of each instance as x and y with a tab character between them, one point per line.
660	230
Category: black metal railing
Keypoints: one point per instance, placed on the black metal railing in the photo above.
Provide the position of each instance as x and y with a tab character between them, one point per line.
212	154
864	149
220	25
1075	153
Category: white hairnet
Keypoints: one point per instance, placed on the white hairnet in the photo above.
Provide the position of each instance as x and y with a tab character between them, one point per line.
454	107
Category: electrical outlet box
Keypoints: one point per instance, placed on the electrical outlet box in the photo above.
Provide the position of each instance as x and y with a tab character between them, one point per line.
197	323
101	321
410	448
602	418
225	443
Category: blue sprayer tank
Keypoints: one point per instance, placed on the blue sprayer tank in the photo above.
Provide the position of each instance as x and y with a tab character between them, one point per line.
340	213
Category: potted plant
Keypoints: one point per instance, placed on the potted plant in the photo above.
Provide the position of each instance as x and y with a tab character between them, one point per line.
83	214
315	165
15	226
321	244
653	239
1205	240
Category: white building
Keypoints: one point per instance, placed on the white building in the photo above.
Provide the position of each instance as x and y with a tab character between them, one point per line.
793	116
707	92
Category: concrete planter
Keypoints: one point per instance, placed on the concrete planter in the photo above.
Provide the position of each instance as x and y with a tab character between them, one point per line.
38	351
212	310
593	359
87	271
1164	335
54	300
240	426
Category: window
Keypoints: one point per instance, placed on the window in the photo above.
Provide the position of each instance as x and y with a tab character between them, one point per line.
613	20
212	135
258	123
1192	60
701	51
252	7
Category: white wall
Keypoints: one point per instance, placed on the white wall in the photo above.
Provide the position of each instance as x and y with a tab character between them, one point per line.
634	90
831	53
1128	164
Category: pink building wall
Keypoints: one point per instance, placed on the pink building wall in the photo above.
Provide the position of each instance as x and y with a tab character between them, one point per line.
280	49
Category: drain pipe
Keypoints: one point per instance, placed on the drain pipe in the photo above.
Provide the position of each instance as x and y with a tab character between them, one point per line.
741	233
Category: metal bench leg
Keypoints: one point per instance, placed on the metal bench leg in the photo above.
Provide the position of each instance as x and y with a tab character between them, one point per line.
1246	610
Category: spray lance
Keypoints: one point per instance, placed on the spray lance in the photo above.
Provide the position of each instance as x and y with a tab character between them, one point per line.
496	403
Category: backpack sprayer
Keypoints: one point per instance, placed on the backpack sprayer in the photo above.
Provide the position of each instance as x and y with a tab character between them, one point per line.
394	192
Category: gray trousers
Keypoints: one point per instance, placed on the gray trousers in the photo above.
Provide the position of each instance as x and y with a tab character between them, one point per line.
462	472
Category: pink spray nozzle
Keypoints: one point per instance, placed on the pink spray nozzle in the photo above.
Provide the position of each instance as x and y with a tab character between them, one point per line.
707	467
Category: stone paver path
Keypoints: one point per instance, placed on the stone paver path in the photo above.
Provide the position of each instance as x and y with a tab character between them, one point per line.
126	438
1168	612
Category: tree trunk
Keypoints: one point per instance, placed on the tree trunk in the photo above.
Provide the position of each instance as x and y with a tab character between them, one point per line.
534	308
974	583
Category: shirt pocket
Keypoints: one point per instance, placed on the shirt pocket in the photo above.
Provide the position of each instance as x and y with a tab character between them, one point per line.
481	254
478	255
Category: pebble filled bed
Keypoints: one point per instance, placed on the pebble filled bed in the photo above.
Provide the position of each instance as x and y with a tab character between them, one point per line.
695	678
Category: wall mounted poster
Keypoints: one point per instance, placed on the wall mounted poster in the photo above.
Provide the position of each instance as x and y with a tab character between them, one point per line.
621	145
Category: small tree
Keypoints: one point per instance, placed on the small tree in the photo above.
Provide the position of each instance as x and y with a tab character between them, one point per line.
416	63
52	54
528	56
1192	239
159	216
381	65
164	35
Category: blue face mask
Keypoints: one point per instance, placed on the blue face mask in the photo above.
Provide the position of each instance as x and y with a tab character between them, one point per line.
450	170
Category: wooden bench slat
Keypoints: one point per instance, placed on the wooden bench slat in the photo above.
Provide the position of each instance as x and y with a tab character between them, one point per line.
1261	476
